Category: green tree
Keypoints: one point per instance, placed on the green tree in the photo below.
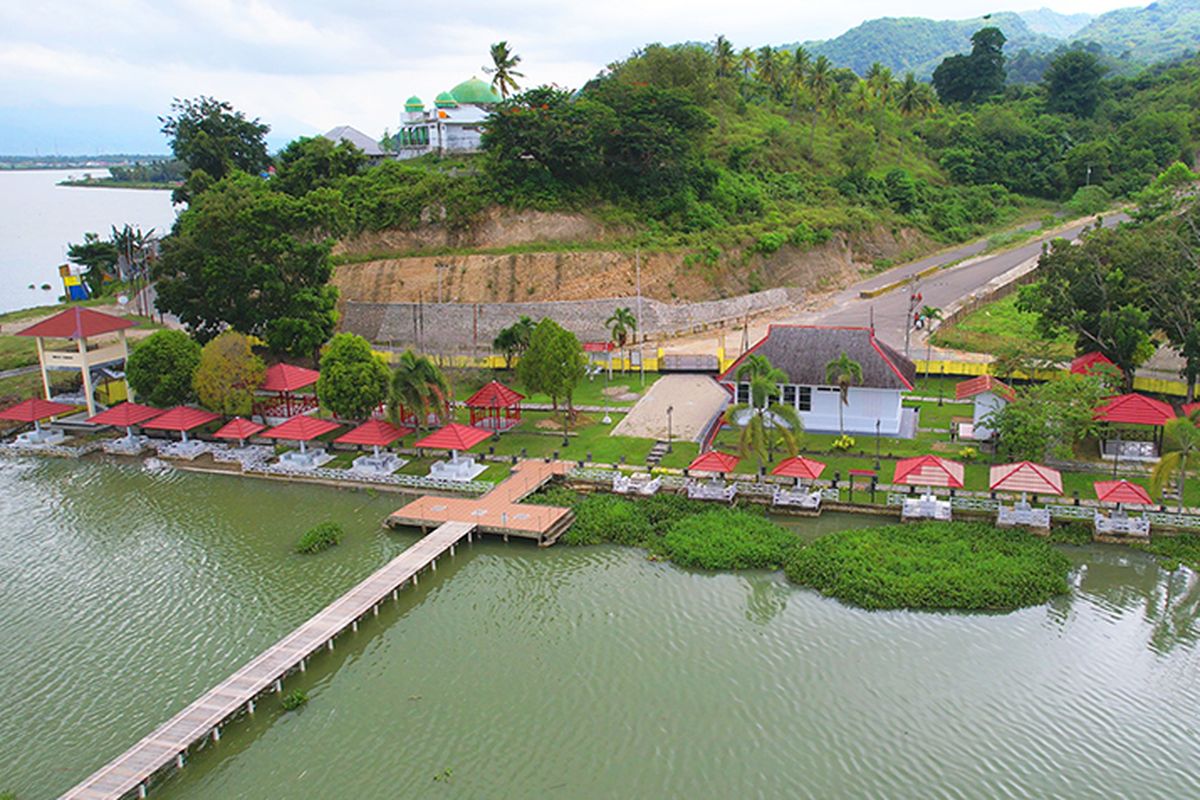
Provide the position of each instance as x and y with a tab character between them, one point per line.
843	372
354	379
554	364
724	59
1047	420
254	260
746	61
820	86
160	368
928	315
622	325
98	257
310	163
228	374
503	69
973	78
1180	445
420	388
514	340
764	421
213	140
1074	83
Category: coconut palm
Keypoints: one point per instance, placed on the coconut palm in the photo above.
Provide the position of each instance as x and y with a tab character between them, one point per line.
764	420
503	70
723	57
622	324
879	79
768	68
928	315
418	386
820	82
801	61
843	372
1180	444
746	61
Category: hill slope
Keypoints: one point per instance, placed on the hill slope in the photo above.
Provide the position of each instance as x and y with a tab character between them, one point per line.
1049	22
1158	32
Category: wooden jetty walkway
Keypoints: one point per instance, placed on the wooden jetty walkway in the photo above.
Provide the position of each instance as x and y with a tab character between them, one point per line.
498	512
168	745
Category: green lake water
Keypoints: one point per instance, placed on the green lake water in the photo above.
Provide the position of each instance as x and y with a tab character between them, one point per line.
572	673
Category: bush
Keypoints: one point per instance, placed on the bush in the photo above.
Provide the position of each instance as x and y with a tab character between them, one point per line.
294	699
932	565
1175	551
322	537
728	539
843	443
161	367
1089	200
1076	532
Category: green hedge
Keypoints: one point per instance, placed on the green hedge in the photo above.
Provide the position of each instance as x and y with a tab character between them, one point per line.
933	565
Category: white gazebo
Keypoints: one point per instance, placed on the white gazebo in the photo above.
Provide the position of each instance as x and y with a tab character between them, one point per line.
79	324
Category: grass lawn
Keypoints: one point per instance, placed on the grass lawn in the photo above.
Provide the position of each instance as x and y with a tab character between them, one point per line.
589	392
999	326
935	416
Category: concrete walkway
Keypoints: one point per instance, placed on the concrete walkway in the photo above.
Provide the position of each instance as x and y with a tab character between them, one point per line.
695	399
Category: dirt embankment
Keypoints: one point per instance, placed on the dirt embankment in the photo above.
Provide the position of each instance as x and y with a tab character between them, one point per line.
675	276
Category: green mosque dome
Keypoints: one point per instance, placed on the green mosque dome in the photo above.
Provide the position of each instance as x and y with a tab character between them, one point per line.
414	104
445	100
475	92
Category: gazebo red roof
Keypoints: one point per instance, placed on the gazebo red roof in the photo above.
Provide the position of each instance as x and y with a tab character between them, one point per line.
239	428
1083	365
967	389
1025	476
1122	491
302	428
929	471
1135	409
181	418
714	461
288	378
375	433
1189	408
455	436
76	323
799	467
126	415
494	395
34	410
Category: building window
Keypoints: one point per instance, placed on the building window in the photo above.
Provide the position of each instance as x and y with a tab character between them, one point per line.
743	393
789	394
804	398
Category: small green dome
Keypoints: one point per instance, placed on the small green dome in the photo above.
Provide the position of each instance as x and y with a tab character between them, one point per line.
475	92
445	100
414	104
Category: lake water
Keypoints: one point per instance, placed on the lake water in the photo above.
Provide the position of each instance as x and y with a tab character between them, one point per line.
38	219
572	673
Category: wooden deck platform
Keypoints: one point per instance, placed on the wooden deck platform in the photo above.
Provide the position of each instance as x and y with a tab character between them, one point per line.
498	512
168	745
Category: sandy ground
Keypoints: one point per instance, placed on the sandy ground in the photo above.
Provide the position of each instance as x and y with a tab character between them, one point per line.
695	398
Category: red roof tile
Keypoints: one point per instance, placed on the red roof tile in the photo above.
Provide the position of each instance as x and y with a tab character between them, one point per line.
1135	409
799	467
984	383
1122	491
375	433
495	395
454	437
239	428
126	415
35	410
714	461
288	378
1025	476
181	418
75	323
929	471
302	429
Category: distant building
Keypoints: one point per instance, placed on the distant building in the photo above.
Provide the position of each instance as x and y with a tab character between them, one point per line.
375	154
989	395
453	125
802	352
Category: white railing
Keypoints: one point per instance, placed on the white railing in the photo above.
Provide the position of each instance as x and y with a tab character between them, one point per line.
1071	512
73	358
974	503
1126	526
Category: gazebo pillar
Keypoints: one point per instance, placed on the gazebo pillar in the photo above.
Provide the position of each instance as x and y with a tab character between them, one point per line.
41	351
125	363
85	369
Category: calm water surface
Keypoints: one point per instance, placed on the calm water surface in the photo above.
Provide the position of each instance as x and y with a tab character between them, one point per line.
38	219
514	672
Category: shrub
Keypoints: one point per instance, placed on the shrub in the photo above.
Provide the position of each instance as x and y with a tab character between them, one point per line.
968	453
843	443
1076	532
1175	551
728	539
160	368
1089	200
607	518
319	538
294	699
932	565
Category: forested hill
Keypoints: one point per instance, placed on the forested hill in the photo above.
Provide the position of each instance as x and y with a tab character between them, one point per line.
1163	30
918	44
1051	23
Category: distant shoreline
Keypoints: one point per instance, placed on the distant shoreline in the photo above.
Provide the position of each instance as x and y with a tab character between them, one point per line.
109	183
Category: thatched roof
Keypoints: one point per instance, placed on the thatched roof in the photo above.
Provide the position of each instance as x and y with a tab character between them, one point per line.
802	351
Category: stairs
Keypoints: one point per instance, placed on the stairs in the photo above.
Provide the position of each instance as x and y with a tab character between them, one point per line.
656	454
557	529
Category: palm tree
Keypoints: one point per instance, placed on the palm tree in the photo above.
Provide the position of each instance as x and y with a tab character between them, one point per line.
1180	443
879	79
820	80
764	418
724	57
622	324
801	61
503	70
514	340
768	68
843	372
746	61
927	315
861	100
909	100
420	387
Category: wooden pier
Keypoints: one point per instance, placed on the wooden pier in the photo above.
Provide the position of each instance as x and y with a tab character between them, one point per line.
498	512
169	744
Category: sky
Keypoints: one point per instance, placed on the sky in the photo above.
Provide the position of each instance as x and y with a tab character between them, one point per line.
92	76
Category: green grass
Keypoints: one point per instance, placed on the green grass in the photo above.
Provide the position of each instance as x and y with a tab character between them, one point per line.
997	327
466	382
933	565
1175	551
935	416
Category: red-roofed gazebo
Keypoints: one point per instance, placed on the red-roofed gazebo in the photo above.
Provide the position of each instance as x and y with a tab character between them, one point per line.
36	410
800	468
239	428
1137	410
79	324
283	380
714	461
181	419
929	471
453	437
126	415
983	384
302	429
1025	477
374	433
1086	364
495	407
1122	492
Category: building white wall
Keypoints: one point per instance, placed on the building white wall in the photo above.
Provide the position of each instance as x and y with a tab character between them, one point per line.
859	415
985	404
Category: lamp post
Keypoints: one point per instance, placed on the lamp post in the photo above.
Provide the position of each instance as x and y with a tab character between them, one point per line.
1117	455
670	410
914	299
566	422
877	465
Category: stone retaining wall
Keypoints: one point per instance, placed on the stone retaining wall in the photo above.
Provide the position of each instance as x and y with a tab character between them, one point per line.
470	327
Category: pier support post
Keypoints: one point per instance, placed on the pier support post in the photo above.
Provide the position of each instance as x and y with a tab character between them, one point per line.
396	593
249	706
451	550
375	610
303	664
278	685
216	734
179	761
329	644
433	565
354	626
415	581
142	790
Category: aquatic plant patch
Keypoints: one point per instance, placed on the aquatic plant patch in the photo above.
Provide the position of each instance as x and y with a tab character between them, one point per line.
728	539
320	537
933	565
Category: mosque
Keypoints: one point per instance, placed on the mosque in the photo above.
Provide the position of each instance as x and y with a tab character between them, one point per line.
453	125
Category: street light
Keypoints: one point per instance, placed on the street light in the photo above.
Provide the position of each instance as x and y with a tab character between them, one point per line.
877	445
670	410
566	421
